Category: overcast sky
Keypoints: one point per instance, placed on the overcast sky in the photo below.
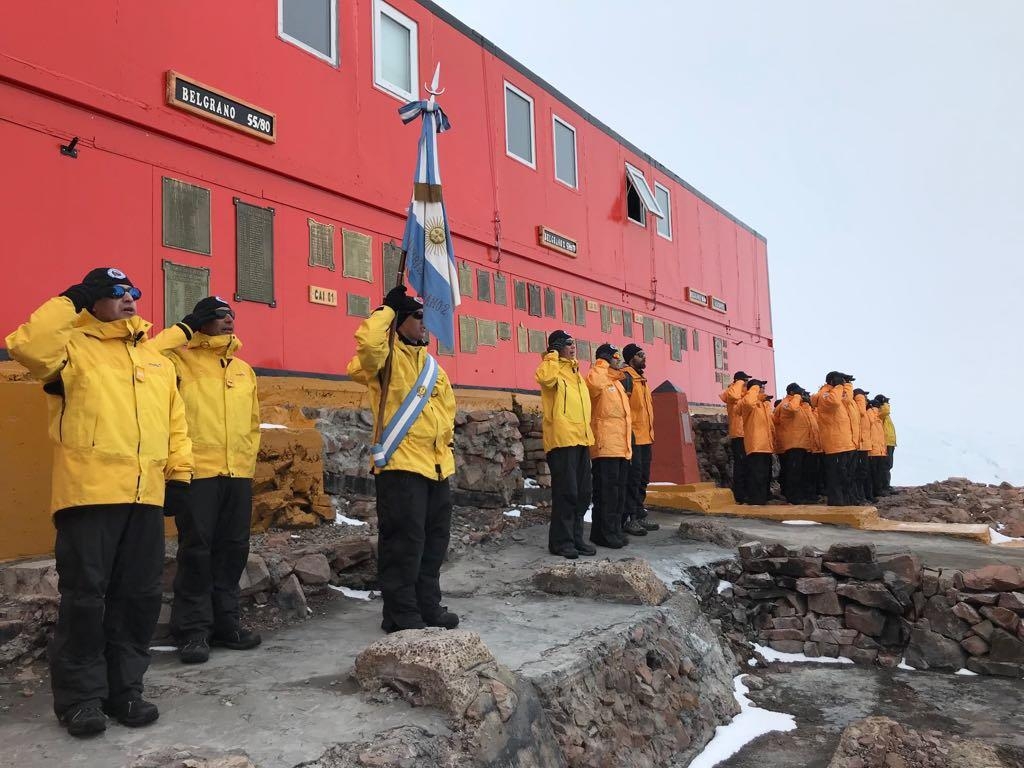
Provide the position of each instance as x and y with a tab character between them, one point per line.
879	146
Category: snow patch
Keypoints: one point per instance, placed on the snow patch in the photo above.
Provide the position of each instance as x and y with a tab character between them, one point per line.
273	426
966	673
340	519
800	522
529	482
588	516
750	723
770	654
163	648
513	513
903	665
527	506
357	594
998	538
649	484
723	585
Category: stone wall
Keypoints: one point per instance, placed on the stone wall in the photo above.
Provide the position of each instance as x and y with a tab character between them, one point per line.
878	609
534	463
711	441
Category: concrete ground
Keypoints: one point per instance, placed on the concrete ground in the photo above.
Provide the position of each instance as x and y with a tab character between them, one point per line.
289	700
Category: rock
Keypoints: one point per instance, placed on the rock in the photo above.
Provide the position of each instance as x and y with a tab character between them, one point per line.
1000	668
629	580
313	569
787	646
974	645
291	599
862	571
1002	578
350	553
983	629
930	650
815	585
1006	647
256	576
32	580
967	613
851	553
786	566
432	667
1012	601
929	582
870	621
825	603
713	531
752	550
871	594
943	620
906	566
1006	619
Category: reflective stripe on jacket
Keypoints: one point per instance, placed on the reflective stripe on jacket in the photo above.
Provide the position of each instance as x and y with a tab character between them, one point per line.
887	425
834	423
221	403
641	408
731	397
758	427
565	403
116	418
793	427
610	413
426	448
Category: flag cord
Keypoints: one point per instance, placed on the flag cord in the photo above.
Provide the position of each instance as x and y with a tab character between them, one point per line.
385	374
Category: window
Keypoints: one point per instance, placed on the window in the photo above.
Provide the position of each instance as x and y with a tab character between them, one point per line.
639	198
565	152
519	125
664	201
395	57
310	24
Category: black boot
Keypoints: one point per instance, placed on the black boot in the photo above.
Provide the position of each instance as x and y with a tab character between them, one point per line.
84	720
238	639
444	618
196	650
133	713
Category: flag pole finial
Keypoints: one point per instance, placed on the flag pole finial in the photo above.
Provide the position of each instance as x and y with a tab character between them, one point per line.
433	89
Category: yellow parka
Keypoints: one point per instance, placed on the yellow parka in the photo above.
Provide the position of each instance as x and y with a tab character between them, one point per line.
610	413
812	418
793	428
834	424
887	425
565	402
731	397
426	448
116	419
864	442
877	431
758	427
641	408
221	404
854	411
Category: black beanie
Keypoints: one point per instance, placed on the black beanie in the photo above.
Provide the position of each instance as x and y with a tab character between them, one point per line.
559	339
629	351
106	277
409	305
210	304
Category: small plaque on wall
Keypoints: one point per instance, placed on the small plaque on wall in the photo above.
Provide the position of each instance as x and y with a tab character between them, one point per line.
659	329
522	339
184	286
486	332
355	257
568	315
648	330
504	331
519	288
326	296
536	310
592	306
357	306
616	316
581	311
186	216
606	319
321	244
254	253
483	285
537	341
549	303
582	349
500	290
627	324
465	280
391	261
467	334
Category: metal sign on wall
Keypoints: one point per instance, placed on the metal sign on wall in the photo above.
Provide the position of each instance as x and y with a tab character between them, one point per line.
695	296
184	286
213	104
556	242
718	305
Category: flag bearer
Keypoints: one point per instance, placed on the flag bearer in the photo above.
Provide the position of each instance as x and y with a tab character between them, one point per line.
223	412
412	461
612	450
641	411
121	453
565	403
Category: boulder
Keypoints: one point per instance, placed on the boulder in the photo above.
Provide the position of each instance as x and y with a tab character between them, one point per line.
1006	619
930	650
291	599
428	667
313	569
943	620
712	531
905	565
870	621
629	581
974	645
862	571
1001	668
967	613
786	566
871	594
351	552
32	580
1006	647
1012	601
815	585
826	603
256	576
851	553
1001	578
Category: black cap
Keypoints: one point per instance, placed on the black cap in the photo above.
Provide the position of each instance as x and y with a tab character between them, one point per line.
106	277
210	304
607	352
834	377
559	339
861	392
794	389
629	350
409	305
740	375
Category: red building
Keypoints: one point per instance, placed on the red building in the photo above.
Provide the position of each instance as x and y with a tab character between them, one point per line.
253	150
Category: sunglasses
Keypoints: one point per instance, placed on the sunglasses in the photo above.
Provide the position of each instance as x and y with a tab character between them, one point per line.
418	314
222	312
119	290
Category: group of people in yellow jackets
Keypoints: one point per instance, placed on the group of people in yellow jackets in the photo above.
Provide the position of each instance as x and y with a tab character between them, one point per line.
835	442
142	428
598	435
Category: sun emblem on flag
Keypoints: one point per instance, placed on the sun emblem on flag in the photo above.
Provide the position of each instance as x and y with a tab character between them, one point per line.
436	236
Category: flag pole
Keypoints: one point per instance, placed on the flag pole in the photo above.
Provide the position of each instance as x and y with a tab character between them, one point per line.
385	374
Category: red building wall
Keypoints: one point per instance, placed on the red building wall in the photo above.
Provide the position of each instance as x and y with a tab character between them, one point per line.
97	71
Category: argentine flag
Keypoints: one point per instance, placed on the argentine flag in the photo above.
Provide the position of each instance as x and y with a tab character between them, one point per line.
427	241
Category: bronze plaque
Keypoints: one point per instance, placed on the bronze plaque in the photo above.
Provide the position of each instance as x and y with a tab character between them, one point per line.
355	255
390	264
504	331
648	330
358	306
500	290
568	315
683	338
581	311
536	310
537	341
582	349
550	310
183	287
467	334
522	343
659	329
606	318
186	216
616	316
483	285
321	244
486	332
627	324
696	341
674	345
519	287
254	250
465	280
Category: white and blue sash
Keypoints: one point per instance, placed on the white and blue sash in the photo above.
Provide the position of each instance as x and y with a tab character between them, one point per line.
407	413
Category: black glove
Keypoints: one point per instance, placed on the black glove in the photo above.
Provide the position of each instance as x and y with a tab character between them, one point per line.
177	496
83	296
396	297
196	320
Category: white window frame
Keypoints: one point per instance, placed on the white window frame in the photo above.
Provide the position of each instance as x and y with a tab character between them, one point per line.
334	60
667	218
533	125
575	151
636	176
381	8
